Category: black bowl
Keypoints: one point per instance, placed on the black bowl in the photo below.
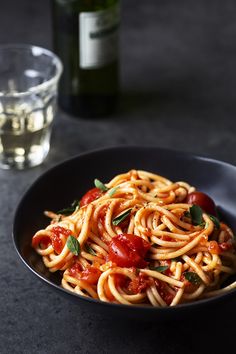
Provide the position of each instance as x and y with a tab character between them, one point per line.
67	181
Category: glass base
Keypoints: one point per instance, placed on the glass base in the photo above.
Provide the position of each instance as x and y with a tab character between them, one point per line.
20	162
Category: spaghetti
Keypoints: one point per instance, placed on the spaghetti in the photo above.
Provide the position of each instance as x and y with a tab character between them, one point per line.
140	239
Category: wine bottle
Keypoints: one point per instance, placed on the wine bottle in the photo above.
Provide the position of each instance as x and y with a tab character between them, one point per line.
85	36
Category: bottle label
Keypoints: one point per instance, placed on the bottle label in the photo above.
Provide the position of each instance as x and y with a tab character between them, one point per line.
98	37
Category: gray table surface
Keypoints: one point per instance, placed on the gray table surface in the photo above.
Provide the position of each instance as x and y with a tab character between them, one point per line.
178	90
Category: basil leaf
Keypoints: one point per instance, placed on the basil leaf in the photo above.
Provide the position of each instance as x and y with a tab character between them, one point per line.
70	209
196	214
159	269
113	191
192	277
215	221
100	185
89	249
117	220
73	245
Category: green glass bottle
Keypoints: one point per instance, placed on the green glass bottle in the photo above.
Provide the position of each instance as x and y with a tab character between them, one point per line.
85	36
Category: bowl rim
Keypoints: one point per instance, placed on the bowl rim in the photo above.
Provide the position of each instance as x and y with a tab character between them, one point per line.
140	307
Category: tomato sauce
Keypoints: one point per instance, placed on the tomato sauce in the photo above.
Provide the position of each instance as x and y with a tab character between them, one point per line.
166	238
163	291
102	215
54	239
225	246
139	284
43	240
75	269
108	292
57	242
213	247
89	275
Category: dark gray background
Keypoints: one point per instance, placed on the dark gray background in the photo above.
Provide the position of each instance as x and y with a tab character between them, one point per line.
178	89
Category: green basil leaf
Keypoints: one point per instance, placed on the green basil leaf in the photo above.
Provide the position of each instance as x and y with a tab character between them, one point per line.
89	249
68	211
215	221
117	220
73	245
192	277
113	191
196	214
100	185
159	269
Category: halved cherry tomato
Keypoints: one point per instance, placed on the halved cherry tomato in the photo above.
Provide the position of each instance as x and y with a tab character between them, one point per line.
203	200
128	250
90	196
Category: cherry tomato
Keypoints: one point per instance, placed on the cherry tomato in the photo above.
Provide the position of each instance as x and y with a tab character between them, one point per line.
90	196
75	270
90	274
127	250
203	200
57	243
55	239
